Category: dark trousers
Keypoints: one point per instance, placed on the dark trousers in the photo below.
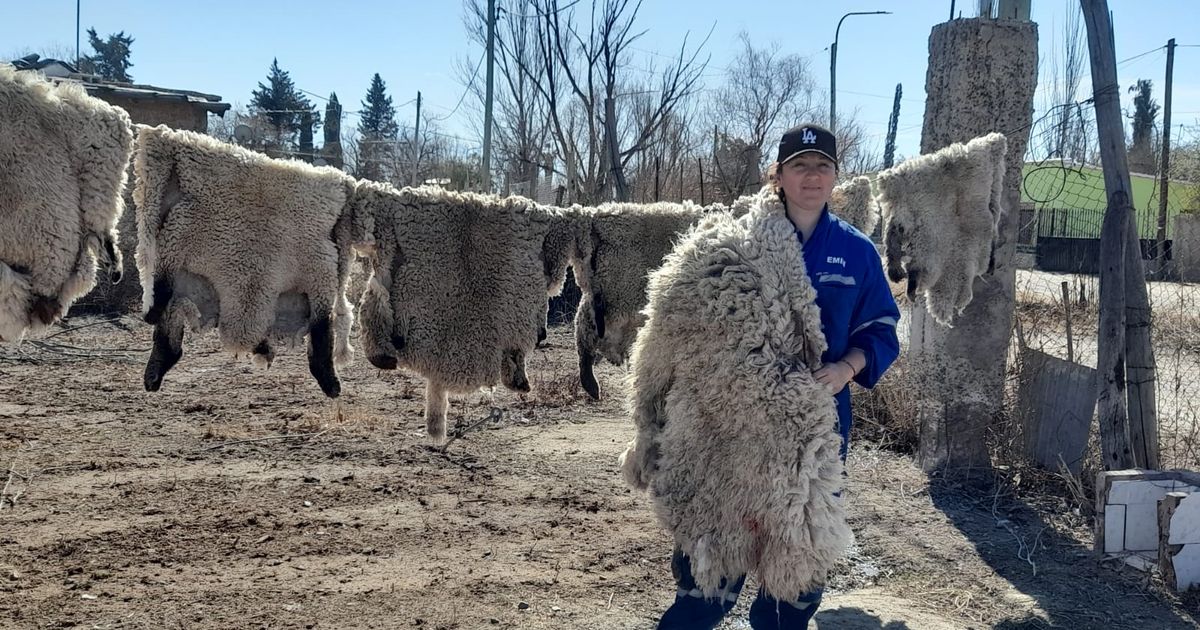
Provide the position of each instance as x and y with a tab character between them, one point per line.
693	611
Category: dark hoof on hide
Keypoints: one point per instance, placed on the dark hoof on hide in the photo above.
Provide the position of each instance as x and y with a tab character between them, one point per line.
264	352
47	310
518	384
541	335
513	373
163	357
914	279
382	361
152	379
113	262
331	387
587	378
320	357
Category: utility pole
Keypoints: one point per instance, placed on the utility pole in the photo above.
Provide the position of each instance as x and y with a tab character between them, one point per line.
487	102
1164	170
833	66
76	64
417	142
1125	363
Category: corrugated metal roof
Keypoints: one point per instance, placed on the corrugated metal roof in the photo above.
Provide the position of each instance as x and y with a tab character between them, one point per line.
99	87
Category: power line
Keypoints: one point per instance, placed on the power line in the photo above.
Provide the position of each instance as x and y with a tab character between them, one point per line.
466	90
1125	61
891	97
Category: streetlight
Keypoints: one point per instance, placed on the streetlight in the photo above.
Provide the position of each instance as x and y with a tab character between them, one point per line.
833	66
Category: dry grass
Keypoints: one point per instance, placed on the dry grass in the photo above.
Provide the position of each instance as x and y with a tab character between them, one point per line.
888	415
1176	337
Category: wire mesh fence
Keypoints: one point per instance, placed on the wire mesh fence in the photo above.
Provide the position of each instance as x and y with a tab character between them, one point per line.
1051	383
1057	303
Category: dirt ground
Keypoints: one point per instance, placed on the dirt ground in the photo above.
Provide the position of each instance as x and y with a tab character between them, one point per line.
240	498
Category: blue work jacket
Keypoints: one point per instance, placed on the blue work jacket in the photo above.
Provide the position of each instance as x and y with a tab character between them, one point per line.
857	308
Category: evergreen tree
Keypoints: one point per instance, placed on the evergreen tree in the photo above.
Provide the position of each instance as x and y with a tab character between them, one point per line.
379	116
1141	152
306	137
332	149
111	59
281	103
377	129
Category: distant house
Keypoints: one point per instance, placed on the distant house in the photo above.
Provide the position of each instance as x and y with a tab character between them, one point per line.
146	104
1063	205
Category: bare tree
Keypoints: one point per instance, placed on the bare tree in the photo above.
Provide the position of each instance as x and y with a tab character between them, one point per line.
1070	124
737	165
1185	164
57	50
666	170
857	153
259	133
585	86
521	125
764	92
420	156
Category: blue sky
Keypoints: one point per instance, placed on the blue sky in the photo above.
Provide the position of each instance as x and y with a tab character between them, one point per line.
225	47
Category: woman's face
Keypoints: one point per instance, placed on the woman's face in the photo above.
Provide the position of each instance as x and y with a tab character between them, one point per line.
807	181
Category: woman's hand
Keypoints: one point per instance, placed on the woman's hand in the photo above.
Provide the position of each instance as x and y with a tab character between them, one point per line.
834	376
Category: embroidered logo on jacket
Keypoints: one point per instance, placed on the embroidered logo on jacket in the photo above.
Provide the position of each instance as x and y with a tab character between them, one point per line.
836	260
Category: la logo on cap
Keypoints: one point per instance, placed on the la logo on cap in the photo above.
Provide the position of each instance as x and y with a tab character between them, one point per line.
808	137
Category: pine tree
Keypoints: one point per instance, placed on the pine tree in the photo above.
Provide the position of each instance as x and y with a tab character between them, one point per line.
306	136
281	103
377	128
1141	152
111	60
378	117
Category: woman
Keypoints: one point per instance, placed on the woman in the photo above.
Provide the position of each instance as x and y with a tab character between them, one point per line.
858	317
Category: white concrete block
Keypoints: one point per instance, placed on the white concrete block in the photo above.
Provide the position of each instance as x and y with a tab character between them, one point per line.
1185	523
1141	527
1114	528
1187	567
1127	492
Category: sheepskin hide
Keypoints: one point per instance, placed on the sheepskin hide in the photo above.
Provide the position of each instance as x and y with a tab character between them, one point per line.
941	213
626	242
460	286
853	202
741	206
736	441
63	156
258	247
